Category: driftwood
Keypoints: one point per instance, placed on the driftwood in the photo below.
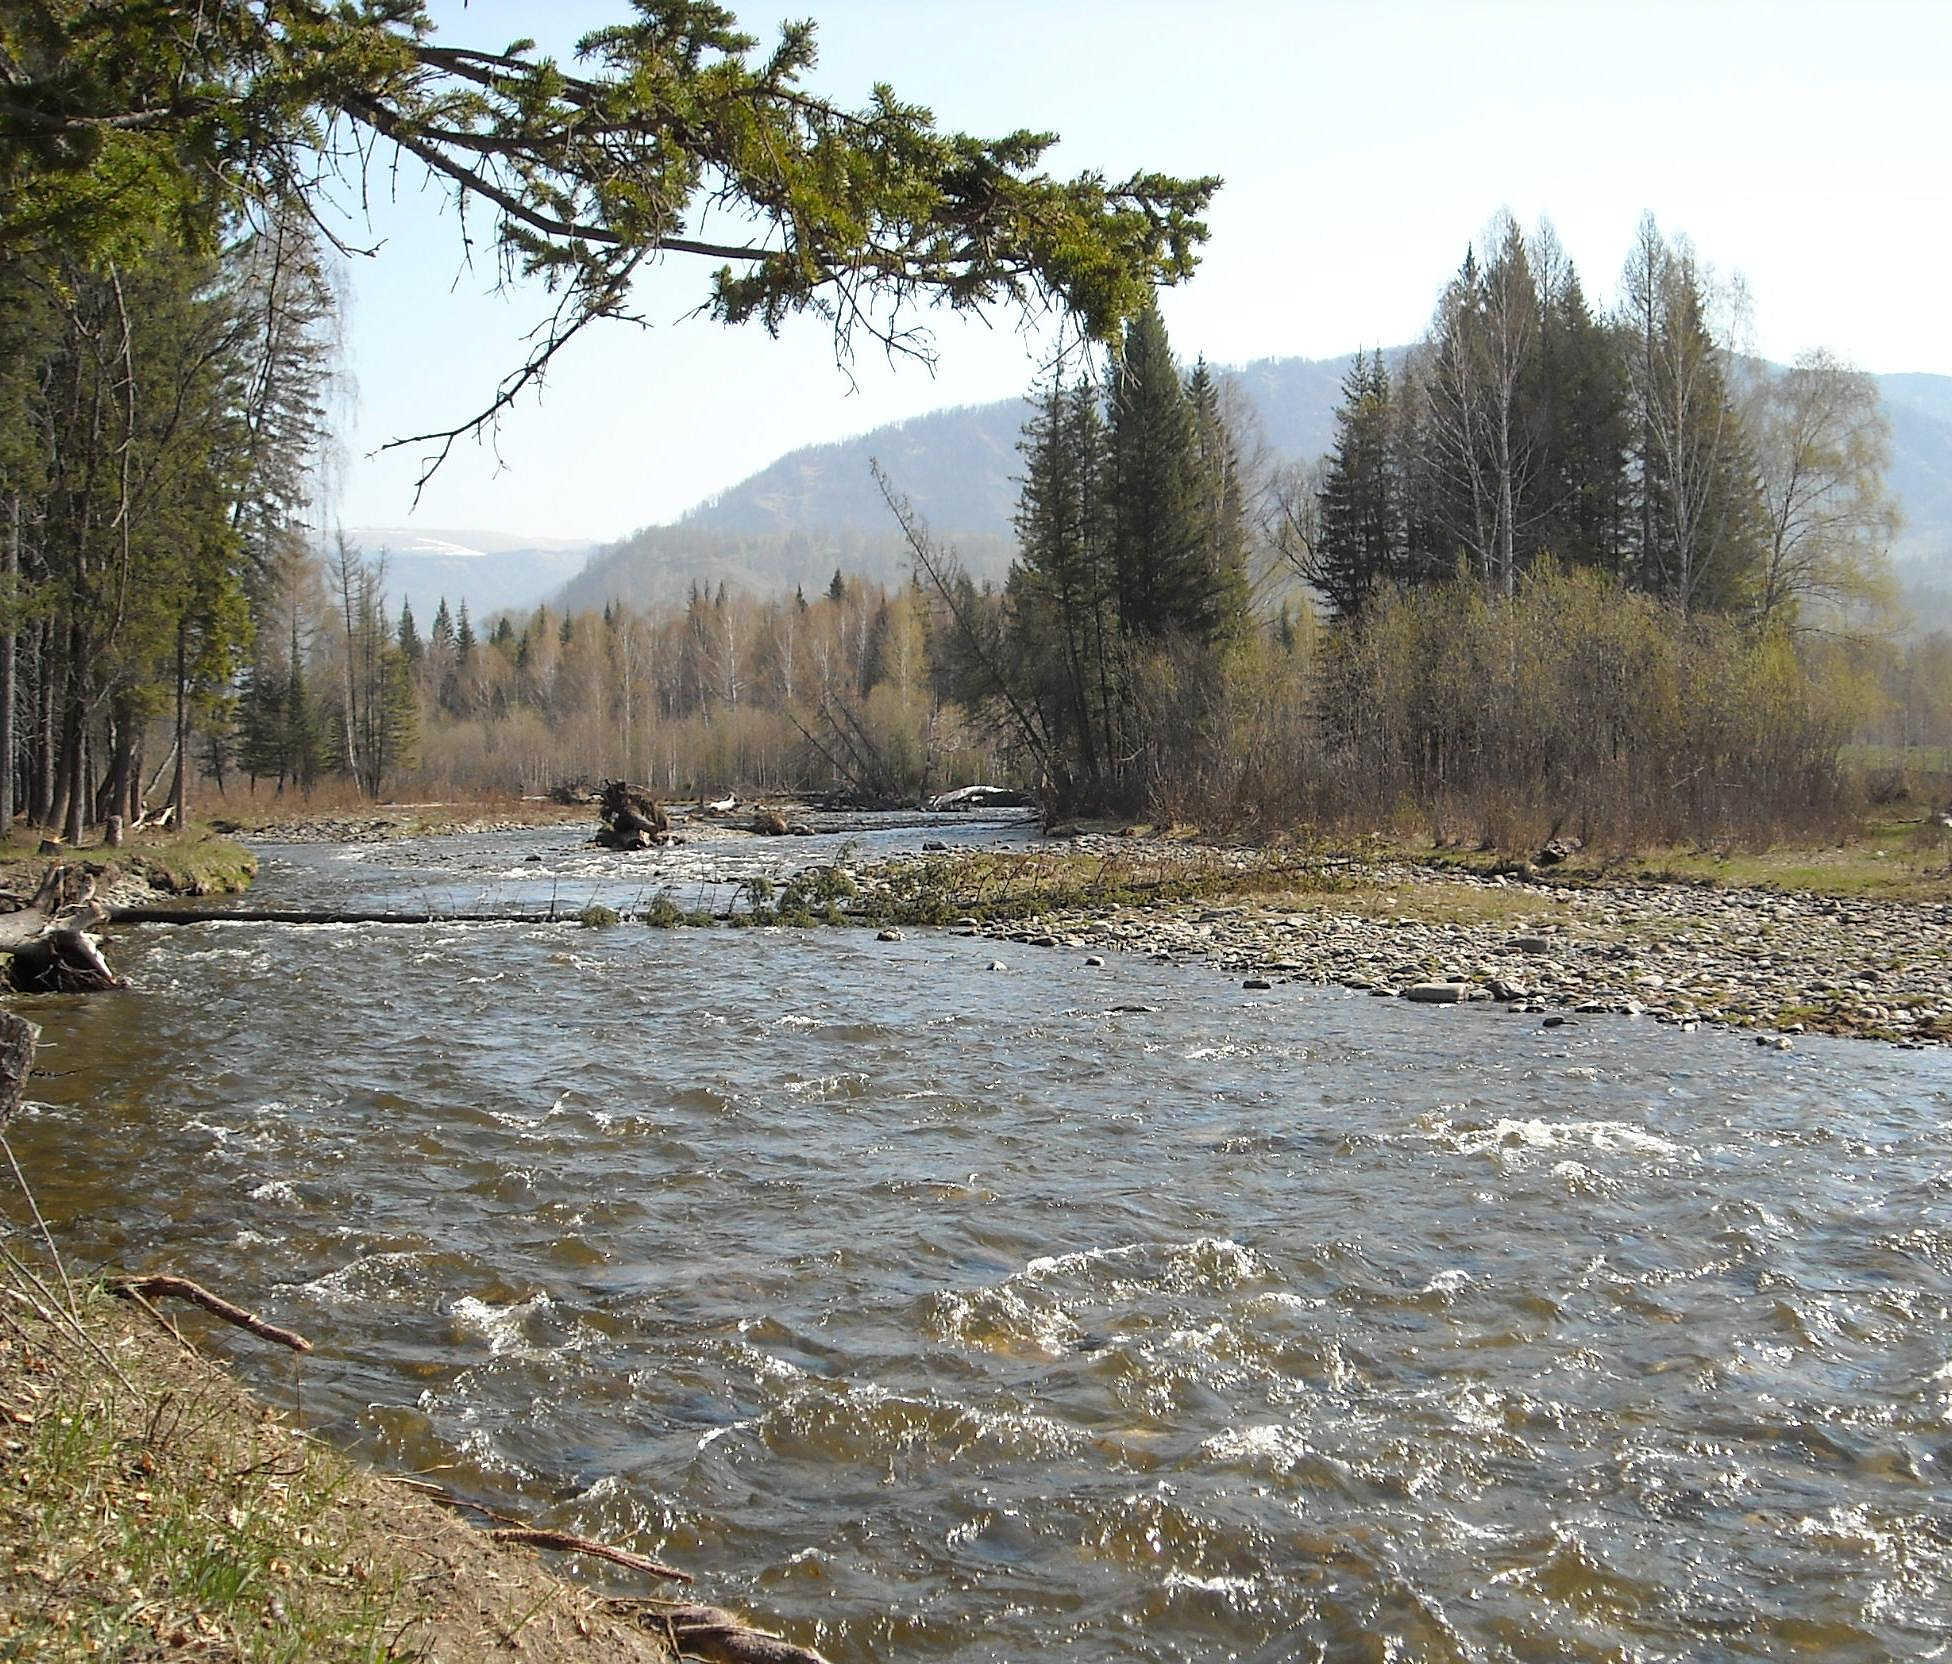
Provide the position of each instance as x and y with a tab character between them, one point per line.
163	1285
51	949
533	1536
301	915
568	914
713	1633
631	819
64	960
513	1530
981	797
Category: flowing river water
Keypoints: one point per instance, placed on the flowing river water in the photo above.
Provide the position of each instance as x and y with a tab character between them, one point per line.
939	1311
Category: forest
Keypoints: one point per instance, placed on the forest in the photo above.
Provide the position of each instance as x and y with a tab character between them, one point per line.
1566	564
1562	568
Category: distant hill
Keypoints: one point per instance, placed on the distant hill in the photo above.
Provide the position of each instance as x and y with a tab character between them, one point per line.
659	565
793	521
488	570
956	466
1920	408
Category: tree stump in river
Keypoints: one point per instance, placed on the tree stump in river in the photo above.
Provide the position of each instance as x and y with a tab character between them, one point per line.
50	949
631	819
64	960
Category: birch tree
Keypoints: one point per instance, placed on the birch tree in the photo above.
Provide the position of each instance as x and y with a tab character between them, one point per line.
1823	446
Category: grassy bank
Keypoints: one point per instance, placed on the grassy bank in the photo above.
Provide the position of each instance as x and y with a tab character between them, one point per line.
196	862
1899	858
152	1509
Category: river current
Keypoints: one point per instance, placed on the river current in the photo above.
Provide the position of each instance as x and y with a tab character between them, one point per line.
936	1310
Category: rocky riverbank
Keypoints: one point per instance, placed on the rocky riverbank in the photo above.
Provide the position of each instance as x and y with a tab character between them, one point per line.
388	823
1778	963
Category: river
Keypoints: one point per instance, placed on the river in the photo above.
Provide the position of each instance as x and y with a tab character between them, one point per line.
945	1311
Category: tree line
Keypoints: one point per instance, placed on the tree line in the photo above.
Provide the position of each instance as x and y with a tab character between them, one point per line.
1634	442
1560	563
159	417
1142	653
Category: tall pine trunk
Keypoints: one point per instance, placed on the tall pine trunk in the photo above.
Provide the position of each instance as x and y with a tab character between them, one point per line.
74	737
179	790
41	786
9	752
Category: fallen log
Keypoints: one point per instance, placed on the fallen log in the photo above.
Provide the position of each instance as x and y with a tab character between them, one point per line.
323	915
49	948
291	915
64	960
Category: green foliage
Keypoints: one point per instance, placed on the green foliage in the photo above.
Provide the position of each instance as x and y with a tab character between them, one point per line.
1359	544
662	912
124	118
1171	578
598	917
1132	548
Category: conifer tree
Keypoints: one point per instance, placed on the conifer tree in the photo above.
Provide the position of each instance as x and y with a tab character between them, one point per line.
1584	518
1165	585
1359	544
1220	502
1062	587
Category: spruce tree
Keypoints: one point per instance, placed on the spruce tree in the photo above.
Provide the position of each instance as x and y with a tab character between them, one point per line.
1061	590
1584	518
1164	586
1221	502
1360	547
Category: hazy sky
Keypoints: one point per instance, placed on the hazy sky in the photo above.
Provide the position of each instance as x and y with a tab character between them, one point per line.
1803	146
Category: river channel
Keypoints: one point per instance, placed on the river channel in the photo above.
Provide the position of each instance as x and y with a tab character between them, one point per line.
936	1310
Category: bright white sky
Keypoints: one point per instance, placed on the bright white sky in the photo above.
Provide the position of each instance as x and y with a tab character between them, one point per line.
1804	146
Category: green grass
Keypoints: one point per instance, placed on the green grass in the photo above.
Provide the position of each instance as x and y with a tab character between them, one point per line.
148	1516
994	888
197	862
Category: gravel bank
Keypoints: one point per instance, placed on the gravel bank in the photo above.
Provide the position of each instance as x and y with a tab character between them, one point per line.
1774	962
